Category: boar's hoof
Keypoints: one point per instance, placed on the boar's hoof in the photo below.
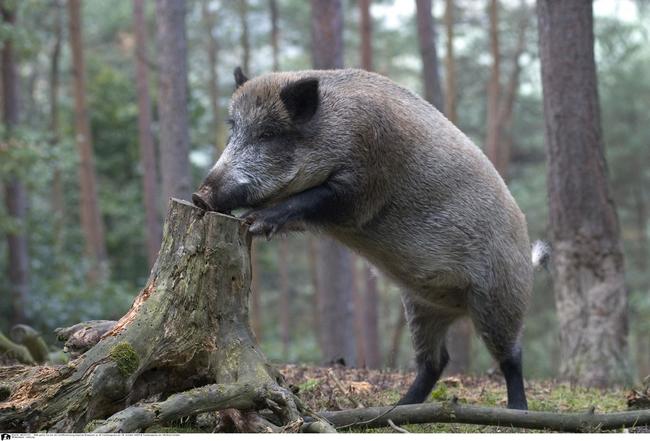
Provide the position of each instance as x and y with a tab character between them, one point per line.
265	222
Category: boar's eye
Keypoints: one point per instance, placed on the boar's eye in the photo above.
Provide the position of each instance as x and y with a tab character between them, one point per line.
266	135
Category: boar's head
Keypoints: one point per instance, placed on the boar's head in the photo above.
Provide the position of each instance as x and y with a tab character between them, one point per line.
273	150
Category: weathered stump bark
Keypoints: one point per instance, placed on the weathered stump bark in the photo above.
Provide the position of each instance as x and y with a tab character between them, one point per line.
188	328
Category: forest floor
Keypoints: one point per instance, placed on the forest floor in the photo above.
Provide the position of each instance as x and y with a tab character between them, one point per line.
339	388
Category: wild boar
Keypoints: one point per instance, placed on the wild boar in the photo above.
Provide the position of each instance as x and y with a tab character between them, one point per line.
352	154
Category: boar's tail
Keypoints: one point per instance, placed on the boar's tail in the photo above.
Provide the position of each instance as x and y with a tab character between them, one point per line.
541	253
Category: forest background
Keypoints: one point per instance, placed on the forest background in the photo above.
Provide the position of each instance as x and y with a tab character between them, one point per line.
490	78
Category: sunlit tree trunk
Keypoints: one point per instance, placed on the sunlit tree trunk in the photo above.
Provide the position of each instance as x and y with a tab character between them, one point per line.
335	263
429	53
172	99
91	221
15	193
587	265
147	149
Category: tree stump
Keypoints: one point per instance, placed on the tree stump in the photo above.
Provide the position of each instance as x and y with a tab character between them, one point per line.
187	331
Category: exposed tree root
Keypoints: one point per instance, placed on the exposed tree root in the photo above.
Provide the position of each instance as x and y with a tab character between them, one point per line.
81	337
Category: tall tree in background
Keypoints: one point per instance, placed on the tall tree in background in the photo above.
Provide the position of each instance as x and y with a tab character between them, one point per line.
172	99
15	193
283	243
335	263
275	51
459	336
91	221
588	268
244	37
500	102
369	305
147	149
492	139
450	65
209	19
429	53
58	201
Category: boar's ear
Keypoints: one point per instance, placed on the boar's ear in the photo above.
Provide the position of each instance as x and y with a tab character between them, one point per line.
301	99
240	78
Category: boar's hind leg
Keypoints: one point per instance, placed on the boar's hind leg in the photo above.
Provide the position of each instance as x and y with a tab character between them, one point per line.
499	324
428	330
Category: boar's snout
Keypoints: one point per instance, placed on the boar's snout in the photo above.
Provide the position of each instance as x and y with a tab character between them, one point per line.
223	199
200	199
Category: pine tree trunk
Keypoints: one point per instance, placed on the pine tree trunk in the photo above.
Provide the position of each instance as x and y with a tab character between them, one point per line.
209	22
91	221
493	127
15	192
244	36
58	201
273	8
334	261
371	320
327	34
172	99
187	329
459	338
285	297
429	53
588	268
150	191
450	65
366	34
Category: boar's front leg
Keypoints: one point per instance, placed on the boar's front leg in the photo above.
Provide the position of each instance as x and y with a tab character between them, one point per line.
318	205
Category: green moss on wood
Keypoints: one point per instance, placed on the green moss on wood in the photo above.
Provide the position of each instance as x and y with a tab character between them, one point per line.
125	357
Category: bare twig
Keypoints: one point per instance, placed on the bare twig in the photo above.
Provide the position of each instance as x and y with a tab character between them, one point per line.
396	428
341	388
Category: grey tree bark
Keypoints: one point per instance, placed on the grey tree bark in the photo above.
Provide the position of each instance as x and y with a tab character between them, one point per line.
429	53
153	230
172	99
335	278
588	269
15	192
91	221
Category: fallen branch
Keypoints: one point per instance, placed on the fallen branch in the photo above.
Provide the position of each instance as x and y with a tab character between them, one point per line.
372	417
341	388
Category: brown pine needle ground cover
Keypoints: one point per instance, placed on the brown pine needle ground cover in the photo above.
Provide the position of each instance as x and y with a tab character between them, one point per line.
369	388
